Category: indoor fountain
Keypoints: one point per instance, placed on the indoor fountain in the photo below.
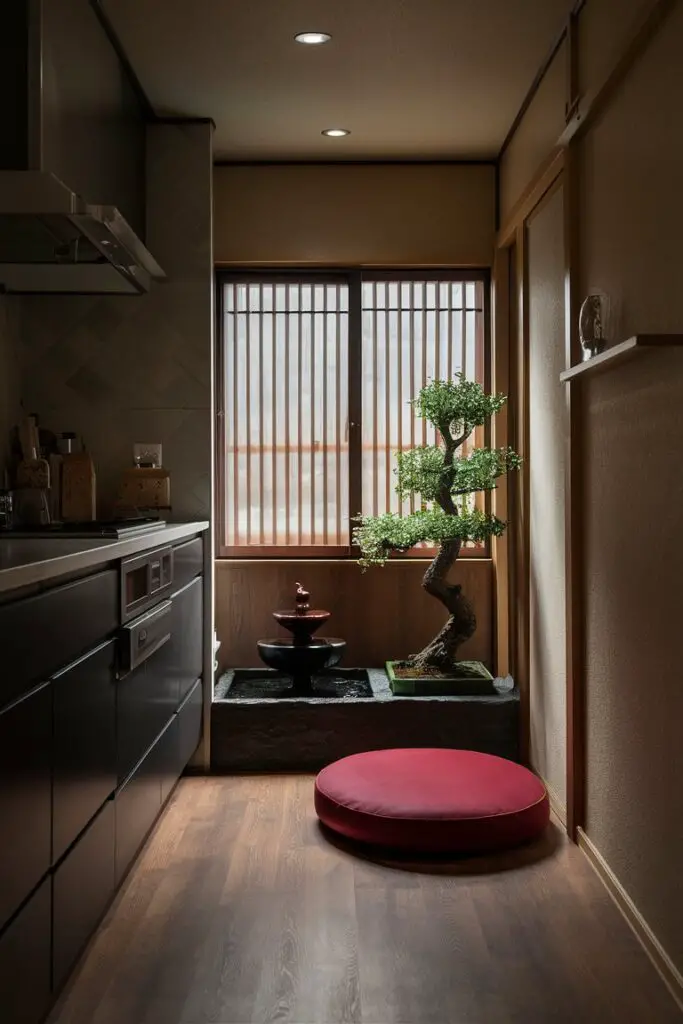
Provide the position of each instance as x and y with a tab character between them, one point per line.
301	656
303	710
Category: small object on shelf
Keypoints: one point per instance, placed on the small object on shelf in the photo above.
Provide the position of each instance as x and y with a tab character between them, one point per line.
32	471
147	456
592	316
55	461
31	506
146	486
78	491
144	490
6	509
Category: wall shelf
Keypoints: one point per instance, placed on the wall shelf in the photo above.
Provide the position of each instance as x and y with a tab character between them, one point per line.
621	353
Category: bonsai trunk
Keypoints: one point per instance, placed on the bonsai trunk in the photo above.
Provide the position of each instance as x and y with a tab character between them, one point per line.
441	652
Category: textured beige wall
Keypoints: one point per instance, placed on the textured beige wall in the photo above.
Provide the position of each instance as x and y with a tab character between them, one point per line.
546	467
604	26
632	226
535	137
355	214
10	376
124	369
631	165
634	668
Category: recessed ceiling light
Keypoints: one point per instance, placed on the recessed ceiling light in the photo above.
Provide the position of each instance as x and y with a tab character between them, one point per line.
313	38
335	133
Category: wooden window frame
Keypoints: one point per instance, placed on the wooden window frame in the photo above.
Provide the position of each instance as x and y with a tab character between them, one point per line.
353	278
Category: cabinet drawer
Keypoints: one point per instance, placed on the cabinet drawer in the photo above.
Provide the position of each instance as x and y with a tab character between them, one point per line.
84	743
146	699
168	759
25	790
25	962
137	805
190	724
185	654
188	562
83	887
40	635
179	742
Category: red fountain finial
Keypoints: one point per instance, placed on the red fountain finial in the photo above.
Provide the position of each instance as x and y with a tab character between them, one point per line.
301	599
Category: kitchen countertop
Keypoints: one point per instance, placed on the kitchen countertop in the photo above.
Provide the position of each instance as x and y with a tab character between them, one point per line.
26	561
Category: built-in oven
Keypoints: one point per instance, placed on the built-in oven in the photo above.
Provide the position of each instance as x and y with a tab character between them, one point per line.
147	686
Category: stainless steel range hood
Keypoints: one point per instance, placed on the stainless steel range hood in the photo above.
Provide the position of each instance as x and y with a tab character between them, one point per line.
72	137
53	241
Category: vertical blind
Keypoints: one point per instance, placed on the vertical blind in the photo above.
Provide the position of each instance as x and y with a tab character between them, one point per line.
287	446
413	332
286	414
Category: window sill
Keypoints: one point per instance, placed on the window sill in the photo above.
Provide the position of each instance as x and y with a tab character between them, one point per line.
326	560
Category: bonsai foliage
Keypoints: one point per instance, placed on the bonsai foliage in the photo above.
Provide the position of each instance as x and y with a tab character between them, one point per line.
444	482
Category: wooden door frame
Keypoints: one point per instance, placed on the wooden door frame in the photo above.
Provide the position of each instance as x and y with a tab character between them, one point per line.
511	366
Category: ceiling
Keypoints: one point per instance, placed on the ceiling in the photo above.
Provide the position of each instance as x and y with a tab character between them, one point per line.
411	79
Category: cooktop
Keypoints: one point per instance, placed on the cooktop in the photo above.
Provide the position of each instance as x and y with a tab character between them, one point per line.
112	528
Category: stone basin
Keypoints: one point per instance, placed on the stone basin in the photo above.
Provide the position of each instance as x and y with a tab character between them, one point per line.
301	625
301	660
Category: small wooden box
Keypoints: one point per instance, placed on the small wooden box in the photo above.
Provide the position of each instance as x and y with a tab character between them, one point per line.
145	488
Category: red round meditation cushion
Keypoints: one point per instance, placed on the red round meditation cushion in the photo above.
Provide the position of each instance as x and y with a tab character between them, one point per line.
432	800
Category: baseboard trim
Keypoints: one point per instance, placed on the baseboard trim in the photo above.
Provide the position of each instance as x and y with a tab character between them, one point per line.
668	971
556	805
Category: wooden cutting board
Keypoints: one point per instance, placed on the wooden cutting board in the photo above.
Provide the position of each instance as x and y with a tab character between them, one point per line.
79	498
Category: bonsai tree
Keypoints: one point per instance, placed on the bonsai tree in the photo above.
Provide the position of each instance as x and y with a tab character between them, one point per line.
445	482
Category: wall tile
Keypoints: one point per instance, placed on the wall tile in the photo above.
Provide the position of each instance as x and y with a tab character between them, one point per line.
124	369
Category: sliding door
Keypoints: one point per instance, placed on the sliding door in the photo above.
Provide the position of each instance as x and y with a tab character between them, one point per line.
545	293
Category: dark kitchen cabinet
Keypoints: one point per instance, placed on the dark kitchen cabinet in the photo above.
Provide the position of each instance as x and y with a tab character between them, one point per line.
184	656
151	693
41	634
188	562
167	757
25	784
147	699
84	743
99	715
190	724
25	989
180	740
84	884
138	802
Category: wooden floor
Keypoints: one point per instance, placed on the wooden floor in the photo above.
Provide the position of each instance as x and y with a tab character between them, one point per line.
239	910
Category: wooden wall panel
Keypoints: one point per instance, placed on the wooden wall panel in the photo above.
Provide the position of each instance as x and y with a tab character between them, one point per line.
342	214
381	614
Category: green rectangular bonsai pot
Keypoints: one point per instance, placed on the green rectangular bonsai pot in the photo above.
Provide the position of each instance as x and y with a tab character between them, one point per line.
470	678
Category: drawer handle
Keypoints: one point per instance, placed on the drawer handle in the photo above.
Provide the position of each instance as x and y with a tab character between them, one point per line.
145	637
147	652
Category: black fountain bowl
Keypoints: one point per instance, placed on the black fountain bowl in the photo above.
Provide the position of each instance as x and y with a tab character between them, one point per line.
301	659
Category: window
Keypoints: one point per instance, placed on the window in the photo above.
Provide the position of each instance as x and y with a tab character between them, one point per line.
315	376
